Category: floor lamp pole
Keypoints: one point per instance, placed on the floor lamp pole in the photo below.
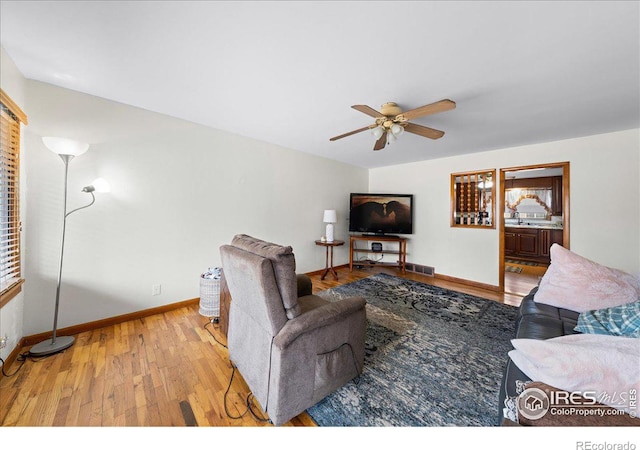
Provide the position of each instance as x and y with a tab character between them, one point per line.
57	344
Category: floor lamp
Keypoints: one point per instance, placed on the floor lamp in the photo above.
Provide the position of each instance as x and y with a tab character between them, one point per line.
67	149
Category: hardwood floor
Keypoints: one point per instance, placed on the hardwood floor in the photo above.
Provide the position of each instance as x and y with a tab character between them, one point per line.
171	369
520	284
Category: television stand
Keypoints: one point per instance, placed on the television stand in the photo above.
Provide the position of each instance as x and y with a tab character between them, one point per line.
401	252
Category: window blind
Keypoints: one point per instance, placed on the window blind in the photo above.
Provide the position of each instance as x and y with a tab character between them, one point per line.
10	258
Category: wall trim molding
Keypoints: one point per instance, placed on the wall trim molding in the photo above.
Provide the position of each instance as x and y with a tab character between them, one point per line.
89	326
33	339
476	284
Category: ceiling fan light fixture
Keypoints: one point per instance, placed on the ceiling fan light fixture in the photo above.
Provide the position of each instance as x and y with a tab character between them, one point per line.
396	129
390	138
390	122
377	132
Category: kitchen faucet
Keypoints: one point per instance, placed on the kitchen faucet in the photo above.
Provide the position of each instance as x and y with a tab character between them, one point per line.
517	215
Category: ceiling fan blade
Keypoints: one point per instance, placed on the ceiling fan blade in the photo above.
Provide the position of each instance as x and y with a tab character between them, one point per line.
380	143
437	107
421	130
352	132
369	111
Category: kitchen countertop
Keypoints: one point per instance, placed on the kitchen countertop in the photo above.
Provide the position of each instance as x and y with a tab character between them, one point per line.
544	226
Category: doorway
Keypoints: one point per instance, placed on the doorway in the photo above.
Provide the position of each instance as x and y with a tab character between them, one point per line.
533	215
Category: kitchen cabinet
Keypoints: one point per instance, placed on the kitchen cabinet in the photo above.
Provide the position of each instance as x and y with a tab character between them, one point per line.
553	183
509	242
530	244
528	183
547	239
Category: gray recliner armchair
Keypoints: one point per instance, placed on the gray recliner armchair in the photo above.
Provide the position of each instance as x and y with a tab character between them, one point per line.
291	347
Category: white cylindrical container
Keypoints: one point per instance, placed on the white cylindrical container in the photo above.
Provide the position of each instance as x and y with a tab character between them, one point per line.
210	293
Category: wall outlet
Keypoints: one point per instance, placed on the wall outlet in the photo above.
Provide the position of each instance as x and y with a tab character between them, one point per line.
156	289
3	341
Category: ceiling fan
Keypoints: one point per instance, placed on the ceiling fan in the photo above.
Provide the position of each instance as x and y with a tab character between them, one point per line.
391	122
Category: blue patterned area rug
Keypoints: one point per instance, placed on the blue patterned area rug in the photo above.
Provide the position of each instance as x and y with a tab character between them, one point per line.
434	357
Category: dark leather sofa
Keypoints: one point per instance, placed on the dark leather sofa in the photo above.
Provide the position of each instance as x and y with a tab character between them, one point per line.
534	321
541	321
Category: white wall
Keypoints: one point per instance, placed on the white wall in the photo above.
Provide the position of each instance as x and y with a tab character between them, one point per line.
13	83
179	191
604	211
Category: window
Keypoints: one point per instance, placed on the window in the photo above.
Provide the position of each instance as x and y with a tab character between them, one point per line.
10	271
472	199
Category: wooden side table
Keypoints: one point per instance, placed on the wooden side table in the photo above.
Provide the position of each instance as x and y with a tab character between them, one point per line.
329	257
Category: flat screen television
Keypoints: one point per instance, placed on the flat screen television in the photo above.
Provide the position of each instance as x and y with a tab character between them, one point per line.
381	213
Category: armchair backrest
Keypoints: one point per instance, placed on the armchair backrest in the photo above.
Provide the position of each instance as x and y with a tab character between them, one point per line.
284	268
253	288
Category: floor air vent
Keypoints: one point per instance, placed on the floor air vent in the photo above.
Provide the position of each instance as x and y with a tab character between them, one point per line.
418	268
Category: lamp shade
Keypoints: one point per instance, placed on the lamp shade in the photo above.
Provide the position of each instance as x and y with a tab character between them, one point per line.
377	132
396	129
391	138
330	216
64	146
101	185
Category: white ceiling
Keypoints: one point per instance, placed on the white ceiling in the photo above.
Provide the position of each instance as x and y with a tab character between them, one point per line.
288	72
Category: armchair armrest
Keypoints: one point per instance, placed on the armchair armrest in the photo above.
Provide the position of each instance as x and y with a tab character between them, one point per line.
305	286
319	317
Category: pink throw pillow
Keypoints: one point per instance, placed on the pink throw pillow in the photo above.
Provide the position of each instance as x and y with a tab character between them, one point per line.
576	283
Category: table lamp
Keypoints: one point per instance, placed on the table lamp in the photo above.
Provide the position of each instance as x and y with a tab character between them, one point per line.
330	218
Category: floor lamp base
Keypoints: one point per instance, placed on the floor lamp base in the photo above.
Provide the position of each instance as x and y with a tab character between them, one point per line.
48	347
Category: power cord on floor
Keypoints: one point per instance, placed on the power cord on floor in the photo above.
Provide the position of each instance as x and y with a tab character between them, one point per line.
213	322
248	400
253	413
22	358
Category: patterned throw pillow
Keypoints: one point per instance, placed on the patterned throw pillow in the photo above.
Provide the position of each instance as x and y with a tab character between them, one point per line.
623	320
